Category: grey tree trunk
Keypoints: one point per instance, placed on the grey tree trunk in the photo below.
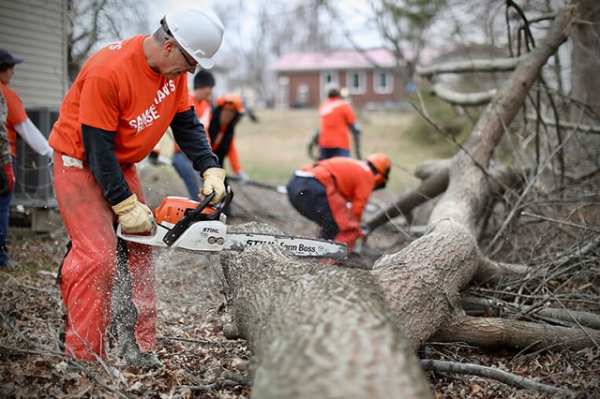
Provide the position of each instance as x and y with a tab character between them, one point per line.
583	151
318	330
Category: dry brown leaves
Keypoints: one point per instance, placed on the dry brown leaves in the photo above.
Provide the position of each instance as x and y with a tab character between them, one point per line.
192	309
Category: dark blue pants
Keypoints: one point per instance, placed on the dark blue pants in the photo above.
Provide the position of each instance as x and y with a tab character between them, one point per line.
189	176
4	219
307	195
327	153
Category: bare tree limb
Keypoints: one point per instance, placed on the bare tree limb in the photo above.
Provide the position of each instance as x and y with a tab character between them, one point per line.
496	374
481	65
462	99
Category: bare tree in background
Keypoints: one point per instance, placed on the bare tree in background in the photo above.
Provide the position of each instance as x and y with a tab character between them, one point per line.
98	22
585	90
277	28
403	24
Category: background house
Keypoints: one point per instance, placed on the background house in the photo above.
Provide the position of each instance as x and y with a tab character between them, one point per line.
36	31
373	78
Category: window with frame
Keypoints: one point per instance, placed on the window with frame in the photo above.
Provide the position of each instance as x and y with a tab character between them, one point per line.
356	82
383	82
328	79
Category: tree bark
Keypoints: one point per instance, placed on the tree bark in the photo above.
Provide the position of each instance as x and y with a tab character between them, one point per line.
496	332
317	330
583	152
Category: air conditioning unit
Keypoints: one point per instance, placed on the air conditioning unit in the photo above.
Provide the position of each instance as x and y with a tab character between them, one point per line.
33	185
34	205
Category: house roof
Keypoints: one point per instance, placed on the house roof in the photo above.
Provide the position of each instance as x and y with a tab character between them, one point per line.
343	59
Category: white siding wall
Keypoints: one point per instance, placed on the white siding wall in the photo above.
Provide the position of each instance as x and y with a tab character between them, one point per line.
36	31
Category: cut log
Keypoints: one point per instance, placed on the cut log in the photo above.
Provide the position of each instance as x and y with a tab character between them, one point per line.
317	330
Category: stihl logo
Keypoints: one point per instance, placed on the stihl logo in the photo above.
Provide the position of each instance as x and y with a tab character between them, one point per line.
210	230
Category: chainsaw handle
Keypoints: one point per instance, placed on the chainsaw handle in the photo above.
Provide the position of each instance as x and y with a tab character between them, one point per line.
226	201
195	215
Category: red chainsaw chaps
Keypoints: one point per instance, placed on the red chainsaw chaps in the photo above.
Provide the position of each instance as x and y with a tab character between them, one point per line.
349	226
89	269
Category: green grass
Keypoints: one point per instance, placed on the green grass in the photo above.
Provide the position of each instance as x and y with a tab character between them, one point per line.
272	149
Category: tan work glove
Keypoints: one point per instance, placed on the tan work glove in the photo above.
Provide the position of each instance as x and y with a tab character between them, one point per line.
133	215
214	180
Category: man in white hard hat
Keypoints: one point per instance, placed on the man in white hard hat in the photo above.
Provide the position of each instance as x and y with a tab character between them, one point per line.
121	103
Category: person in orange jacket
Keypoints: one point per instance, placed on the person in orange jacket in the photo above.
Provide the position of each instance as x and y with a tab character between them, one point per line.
123	100
333	193
337	116
19	124
226	114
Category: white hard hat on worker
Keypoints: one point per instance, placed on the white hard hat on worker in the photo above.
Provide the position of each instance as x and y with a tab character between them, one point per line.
198	31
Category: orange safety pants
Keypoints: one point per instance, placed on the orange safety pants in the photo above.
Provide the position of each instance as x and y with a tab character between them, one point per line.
349	226
89	268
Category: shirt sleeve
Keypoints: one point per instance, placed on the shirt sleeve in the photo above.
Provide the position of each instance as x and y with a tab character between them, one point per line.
99	104
33	137
16	111
100	155
190	136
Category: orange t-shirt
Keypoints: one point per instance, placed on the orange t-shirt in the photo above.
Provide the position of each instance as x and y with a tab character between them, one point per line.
117	91
204	111
353	180
16	115
336	115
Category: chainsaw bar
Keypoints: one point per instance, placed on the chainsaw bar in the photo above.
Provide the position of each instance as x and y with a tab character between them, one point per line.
299	246
212	236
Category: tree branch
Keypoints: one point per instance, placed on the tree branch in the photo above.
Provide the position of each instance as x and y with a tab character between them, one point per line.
496	374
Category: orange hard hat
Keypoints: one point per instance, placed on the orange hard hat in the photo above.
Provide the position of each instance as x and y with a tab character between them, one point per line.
231	102
380	164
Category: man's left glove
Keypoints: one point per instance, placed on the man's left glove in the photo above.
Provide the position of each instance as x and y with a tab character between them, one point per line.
7	179
214	181
133	215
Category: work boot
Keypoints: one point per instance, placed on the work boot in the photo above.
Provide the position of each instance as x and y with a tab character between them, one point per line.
143	360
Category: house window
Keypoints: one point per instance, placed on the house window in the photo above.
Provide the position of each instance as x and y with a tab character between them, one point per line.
328	79
383	82
356	82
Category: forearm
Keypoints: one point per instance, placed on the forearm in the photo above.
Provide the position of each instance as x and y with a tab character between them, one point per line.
190	136
99	146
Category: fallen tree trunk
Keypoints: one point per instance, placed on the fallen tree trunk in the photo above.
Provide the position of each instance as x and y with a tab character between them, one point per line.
317	330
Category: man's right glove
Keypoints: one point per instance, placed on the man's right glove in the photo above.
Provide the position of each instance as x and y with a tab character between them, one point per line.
7	179
133	215
214	181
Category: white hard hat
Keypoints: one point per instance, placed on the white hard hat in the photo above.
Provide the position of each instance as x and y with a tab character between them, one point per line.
198	31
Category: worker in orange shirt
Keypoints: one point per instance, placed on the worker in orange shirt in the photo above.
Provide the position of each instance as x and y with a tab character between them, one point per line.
204	82
17	123
226	114
333	193
123	100
337	116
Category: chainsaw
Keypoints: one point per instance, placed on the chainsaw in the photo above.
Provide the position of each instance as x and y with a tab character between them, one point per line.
195	226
